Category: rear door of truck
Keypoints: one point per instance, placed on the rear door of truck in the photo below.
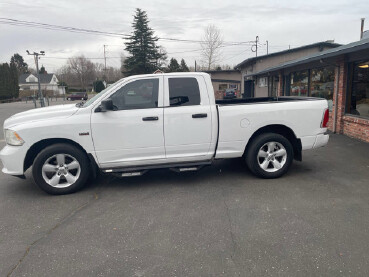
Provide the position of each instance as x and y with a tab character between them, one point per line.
187	117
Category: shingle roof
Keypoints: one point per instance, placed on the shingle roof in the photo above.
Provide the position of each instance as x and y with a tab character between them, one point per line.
22	78
341	50
317	44
44	78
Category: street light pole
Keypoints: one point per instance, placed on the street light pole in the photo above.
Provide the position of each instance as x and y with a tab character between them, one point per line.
35	55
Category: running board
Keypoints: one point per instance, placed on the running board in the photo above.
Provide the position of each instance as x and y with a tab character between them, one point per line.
140	170
185	169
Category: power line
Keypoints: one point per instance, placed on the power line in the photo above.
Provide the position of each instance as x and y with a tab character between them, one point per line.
33	24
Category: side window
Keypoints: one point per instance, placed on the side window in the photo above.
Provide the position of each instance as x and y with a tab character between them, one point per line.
184	92
140	94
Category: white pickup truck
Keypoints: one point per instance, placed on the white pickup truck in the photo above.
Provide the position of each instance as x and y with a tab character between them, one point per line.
159	121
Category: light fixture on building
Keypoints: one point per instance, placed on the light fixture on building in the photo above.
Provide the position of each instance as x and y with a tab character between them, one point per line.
364	65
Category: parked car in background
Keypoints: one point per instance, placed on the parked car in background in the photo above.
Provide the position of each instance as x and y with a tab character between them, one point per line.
78	96
230	94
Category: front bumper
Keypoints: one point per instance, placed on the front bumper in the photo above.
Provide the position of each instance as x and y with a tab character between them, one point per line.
12	158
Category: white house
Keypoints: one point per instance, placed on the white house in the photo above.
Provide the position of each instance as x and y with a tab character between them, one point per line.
48	81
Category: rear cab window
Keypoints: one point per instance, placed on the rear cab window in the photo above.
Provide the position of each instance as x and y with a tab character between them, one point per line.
184	92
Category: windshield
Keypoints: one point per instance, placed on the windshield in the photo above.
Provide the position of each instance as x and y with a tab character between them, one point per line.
100	94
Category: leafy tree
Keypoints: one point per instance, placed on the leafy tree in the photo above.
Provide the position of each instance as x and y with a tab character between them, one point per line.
17	60
99	86
173	66
145	55
184	67
42	70
8	81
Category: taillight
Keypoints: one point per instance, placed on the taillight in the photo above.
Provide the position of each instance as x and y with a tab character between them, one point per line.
225	94
325	119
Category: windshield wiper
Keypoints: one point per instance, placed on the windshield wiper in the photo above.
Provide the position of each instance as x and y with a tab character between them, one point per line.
80	104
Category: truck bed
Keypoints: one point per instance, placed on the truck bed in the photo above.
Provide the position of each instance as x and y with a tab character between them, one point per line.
255	100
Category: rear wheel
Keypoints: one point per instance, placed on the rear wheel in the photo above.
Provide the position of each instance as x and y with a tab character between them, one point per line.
61	169
269	155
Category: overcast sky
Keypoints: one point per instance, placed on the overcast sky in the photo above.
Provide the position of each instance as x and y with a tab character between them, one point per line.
283	23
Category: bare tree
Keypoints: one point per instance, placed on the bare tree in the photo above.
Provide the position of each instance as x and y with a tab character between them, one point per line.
211	44
84	69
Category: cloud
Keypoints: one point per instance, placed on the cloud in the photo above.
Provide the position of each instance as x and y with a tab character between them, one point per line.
282	23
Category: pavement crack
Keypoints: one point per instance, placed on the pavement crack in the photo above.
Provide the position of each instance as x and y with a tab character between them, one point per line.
48	232
230	228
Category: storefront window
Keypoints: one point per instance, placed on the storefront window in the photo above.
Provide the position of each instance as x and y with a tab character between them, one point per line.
358	95
322	84
223	86
299	83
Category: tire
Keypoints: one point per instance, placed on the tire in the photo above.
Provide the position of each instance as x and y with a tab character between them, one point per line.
269	155
55	178
68	99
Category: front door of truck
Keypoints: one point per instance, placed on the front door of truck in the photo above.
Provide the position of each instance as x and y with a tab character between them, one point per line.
131	134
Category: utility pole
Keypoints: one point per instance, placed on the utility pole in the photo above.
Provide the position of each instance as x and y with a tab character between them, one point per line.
267	47
362	28
105	62
35	55
195	66
256	46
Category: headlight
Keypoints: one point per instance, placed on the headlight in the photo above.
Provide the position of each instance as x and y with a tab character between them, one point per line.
12	138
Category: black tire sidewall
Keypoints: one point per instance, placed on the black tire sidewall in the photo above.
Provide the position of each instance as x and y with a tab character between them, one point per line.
59	148
256	144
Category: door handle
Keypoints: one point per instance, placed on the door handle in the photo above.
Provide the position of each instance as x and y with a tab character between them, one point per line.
199	115
150	118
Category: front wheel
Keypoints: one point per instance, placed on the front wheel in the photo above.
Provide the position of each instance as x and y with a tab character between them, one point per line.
61	169
269	155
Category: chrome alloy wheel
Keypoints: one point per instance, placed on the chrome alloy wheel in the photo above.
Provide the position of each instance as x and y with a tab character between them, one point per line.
61	170
272	156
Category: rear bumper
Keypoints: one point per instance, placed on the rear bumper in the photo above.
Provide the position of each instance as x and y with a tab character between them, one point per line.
12	158
310	142
321	140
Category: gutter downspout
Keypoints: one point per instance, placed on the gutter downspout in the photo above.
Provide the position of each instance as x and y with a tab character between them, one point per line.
336	100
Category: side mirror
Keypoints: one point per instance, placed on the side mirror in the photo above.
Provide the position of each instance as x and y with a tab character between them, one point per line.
106	105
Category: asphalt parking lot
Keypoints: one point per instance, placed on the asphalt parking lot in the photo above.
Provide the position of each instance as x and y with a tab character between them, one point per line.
219	221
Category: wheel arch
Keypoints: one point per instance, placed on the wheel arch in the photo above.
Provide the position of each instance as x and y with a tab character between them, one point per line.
38	146
281	130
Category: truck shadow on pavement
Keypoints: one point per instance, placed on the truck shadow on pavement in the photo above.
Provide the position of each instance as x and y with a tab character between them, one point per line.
225	172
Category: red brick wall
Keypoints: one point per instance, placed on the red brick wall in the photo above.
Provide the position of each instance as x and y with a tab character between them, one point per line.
280	85
356	127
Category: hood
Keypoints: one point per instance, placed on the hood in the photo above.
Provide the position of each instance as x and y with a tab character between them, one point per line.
46	113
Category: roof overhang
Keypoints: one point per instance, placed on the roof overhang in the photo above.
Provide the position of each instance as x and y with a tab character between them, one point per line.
319	57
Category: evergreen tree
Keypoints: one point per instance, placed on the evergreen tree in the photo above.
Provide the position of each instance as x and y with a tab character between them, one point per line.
99	86
184	67
8	81
173	66
42	70
17	60
144	53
